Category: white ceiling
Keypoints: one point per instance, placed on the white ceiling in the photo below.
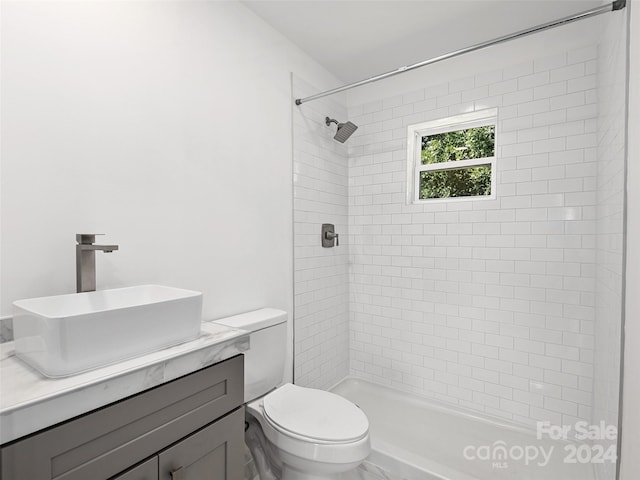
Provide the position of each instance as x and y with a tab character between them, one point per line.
356	39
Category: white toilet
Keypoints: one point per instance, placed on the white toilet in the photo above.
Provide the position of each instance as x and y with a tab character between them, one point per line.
298	433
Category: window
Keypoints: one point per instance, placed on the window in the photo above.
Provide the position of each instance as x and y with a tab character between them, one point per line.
452	158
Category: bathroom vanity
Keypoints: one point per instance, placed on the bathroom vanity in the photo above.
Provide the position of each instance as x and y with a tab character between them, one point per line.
182	419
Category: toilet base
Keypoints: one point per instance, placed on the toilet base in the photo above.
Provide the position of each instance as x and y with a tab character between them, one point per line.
289	473
296	468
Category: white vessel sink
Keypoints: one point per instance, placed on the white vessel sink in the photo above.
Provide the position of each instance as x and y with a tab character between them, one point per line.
67	334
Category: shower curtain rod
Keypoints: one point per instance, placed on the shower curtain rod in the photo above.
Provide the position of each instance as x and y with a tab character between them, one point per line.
609	7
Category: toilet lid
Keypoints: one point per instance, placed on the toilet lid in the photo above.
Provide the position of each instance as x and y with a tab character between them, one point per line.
315	414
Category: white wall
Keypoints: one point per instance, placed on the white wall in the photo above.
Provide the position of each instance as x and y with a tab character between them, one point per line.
321	275
165	125
630	467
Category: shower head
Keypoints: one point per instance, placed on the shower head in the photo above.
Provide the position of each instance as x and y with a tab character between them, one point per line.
345	130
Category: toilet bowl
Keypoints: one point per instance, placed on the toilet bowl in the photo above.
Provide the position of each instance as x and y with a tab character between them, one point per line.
316	434
294	432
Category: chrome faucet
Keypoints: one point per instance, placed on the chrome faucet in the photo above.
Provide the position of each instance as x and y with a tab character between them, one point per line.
86	260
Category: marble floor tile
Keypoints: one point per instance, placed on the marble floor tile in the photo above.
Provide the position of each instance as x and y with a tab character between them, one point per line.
369	471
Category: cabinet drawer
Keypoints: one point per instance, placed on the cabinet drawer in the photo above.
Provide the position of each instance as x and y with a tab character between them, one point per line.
107	441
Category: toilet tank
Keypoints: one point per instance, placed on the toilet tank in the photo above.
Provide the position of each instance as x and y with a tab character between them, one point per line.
265	359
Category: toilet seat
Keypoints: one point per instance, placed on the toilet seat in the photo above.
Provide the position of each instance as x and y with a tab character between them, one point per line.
294	443
315	415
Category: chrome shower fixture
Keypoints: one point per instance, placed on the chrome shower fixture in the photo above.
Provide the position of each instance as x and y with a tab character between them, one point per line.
345	130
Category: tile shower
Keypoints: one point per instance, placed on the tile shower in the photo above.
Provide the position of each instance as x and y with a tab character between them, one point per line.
508	307
485	304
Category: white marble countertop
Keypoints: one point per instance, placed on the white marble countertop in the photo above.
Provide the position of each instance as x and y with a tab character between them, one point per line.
30	401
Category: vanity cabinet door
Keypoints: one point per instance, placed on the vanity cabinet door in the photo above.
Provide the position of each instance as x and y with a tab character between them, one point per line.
145	471
213	453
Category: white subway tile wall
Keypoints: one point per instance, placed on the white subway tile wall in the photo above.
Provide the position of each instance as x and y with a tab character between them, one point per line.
321	275
611	94
487	304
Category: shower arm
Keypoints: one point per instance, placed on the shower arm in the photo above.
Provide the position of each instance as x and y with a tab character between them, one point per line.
609	7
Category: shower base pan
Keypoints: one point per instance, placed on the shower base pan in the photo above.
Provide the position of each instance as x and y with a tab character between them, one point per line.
416	439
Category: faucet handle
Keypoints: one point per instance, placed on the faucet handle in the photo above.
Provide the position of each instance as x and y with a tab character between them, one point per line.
329	237
86	238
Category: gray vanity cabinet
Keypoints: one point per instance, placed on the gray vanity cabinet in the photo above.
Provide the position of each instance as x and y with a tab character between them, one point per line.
146	471
213	453
191	428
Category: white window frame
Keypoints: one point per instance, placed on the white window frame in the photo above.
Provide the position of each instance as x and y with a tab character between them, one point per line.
464	121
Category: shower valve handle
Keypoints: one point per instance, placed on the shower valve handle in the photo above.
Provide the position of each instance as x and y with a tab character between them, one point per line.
331	236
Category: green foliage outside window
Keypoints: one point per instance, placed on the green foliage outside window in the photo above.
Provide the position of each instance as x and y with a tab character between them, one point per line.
461	182
459	145
453	146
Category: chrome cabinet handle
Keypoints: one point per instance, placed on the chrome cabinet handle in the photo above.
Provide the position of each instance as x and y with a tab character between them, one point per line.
177	474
